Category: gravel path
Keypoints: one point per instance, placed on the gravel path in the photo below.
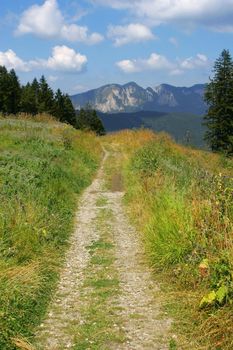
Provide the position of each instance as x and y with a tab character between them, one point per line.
140	313
54	332
142	322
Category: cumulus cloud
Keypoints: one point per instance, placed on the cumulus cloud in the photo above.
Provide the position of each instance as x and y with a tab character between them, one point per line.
10	60
154	62
63	59
47	21
160	62
131	33
214	14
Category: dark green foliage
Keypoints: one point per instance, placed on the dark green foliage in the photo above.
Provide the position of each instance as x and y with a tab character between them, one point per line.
45	97
37	97
29	103
64	110
10	91
88	120
219	97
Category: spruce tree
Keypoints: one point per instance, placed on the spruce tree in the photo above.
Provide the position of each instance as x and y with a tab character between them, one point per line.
10	91
28	102
14	93
64	110
69	111
59	105
4	81
45	97
219	98
88	120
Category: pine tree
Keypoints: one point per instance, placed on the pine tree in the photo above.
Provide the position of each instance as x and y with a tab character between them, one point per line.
4	81
14	93
45	97
10	91
59	105
35	88
219	98
69	111
64	110
88	120
28	103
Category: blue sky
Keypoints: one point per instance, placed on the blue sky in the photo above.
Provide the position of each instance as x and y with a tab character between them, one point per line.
83	44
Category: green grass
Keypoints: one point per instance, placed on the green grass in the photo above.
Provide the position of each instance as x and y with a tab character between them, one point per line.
181	201
44	166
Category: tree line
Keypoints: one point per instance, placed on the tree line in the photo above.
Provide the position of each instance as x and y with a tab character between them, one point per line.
38	97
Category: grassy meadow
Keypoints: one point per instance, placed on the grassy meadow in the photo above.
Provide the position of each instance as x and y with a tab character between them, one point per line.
180	199
44	166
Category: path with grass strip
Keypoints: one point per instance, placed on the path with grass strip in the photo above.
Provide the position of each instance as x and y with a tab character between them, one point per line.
106	298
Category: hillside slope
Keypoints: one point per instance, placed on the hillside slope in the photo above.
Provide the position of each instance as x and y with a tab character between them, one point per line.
44	166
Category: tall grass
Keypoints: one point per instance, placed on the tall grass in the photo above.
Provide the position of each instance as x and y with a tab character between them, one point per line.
181	200
44	166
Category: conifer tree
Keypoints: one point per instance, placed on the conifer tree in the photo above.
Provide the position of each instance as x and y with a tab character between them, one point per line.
4	81
88	120
69	111
64	110
45	97
219	98
28	102
10	91
14	96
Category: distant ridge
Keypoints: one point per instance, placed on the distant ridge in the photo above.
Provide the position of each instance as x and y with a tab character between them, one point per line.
131	97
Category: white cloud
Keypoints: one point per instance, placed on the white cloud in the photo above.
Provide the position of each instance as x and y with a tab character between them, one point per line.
154	62
47	21
129	66
160	62
134	32
63	59
195	62
10	60
214	14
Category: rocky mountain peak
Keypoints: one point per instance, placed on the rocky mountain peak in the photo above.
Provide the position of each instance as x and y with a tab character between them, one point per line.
131	97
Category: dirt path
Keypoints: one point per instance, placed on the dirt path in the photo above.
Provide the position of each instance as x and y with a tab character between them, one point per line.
106	298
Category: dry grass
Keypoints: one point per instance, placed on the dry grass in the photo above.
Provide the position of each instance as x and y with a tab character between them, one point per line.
42	117
22	344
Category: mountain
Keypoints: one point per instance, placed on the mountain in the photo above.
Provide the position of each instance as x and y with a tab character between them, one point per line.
115	98
183	127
